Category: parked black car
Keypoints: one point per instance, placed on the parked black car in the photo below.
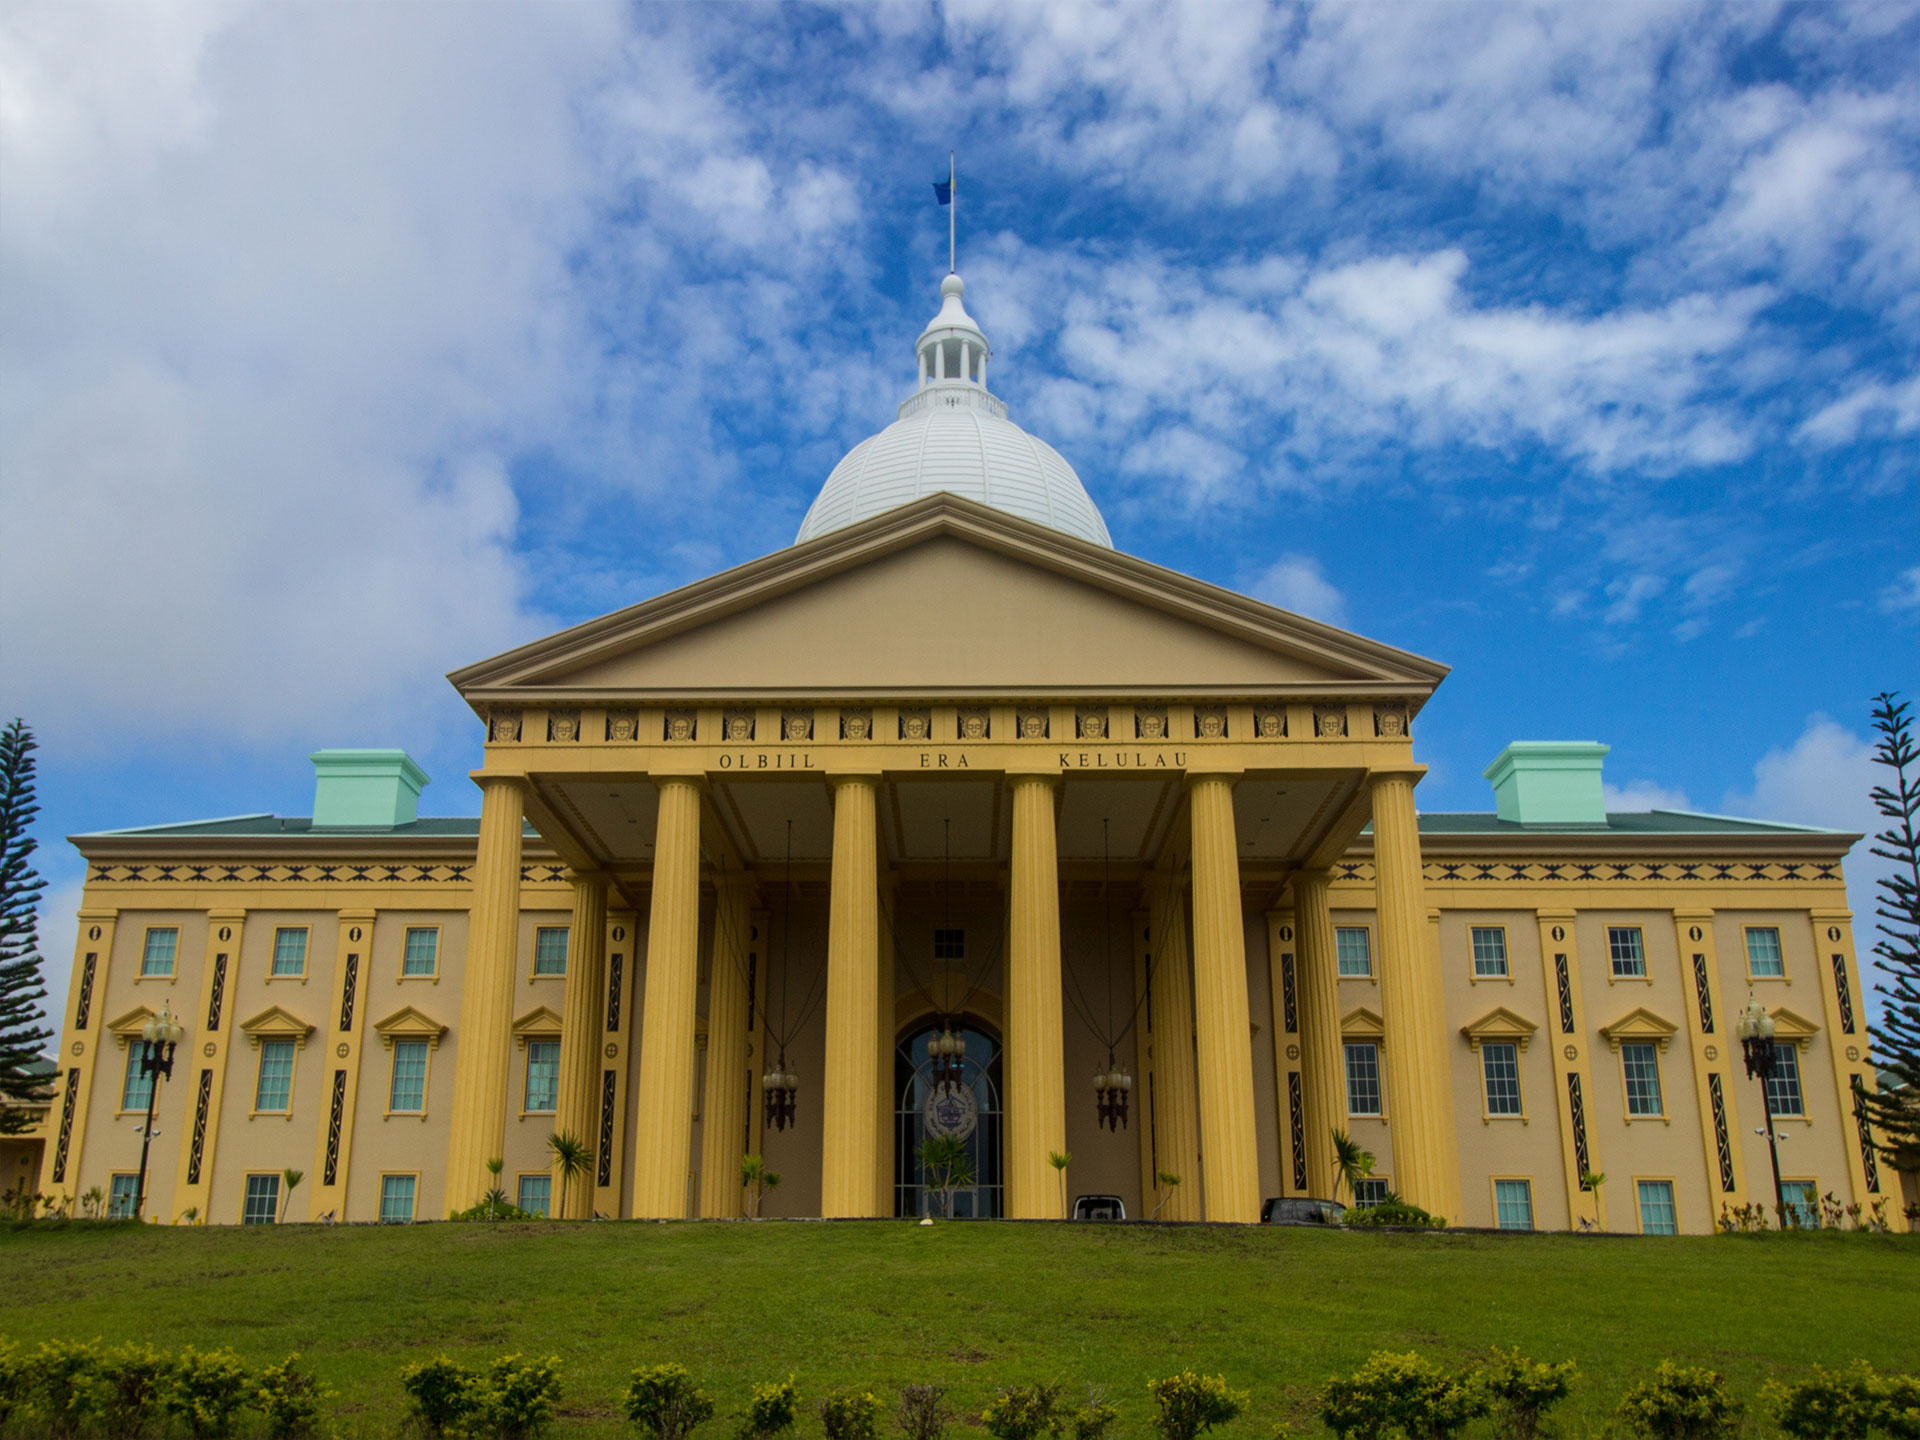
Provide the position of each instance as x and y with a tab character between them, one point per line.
1099	1207
1299	1210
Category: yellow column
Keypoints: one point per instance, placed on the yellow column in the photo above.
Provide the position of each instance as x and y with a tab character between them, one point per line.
883	1087
578	1111
1229	1144
479	1124
1419	1088
345	1035
663	1139
1176	1116
1573	1088
724	1126
206	1073
849	1142
1036	1098
83	1066
1323	1070
1714	1049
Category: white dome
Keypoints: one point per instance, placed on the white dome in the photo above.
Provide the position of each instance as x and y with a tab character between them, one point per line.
953	435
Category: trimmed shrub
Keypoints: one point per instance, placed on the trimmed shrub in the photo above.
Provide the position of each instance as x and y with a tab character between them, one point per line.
1899	1413
923	1412
496	1210
771	1411
13	1379
849	1414
289	1400
1681	1403
1842	1404
1521	1391
1023	1412
515	1399
1188	1404
1094	1419
666	1404
1393	1395
1393	1211
63	1384
440	1396
205	1390
134	1380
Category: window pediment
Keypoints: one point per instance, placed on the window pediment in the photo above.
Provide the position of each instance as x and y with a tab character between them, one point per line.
1363	1024
540	1023
127	1028
1499	1024
1640	1024
407	1023
1792	1029
275	1023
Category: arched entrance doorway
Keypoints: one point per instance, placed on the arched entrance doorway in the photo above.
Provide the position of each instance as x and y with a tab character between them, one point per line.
979	1121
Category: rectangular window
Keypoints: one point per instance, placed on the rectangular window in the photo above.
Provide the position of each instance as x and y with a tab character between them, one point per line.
134	1093
1783	1090
275	1088
1641	1066
543	1076
1373	1191
1657	1215
1628	951
409	1092
158	956
1764	958
1802	1199
289	952
1353	951
1363	1079
536	1193
550	950
396	1199
1501	1066
422	953
262	1205
949	944
122	1191
1513	1204
1489	953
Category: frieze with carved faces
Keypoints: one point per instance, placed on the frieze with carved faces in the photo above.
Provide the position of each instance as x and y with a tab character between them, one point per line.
1032	724
1270	724
623	726
796	725
736	726
682	725
856	724
563	726
1390	721
916	724
1091	724
975	725
503	726
1150	723
1330	721
1209	722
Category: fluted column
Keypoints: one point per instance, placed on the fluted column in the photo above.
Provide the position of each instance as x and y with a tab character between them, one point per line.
1036	1098
580	1033
1419	1090
724	1107
1229	1139
1175	1090
478	1130
663	1137
883	1084
849	1144
1323	1071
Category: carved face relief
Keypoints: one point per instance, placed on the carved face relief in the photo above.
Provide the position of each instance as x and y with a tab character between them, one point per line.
739	728
797	727
622	727
506	727
679	727
1033	727
1093	726
1329	724
914	727
1390	721
565	728
1272	726
1153	726
856	724
1210	725
973	726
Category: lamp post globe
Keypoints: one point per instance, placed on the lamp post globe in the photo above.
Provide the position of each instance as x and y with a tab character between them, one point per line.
1755	1029
159	1037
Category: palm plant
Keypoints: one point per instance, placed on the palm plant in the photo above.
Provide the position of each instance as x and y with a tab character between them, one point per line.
290	1179
948	1168
757	1179
1060	1160
572	1157
1352	1163
496	1197
1168	1183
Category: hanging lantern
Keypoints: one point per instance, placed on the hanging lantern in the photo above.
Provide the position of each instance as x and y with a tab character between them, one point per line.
947	1056
781	1086
1111	1089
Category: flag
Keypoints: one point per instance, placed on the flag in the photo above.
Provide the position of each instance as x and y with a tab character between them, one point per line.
943	191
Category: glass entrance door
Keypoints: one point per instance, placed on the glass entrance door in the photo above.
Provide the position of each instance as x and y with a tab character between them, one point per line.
920	1111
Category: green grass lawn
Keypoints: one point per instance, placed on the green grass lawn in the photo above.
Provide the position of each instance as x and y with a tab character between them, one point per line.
969	1306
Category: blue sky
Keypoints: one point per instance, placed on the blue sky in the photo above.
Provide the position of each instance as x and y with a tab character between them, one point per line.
344	345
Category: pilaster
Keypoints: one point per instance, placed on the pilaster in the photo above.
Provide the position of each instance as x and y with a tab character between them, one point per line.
615	1022
1036	1103
1711	1047
1283	992
663	1140
1323	1073
577	1112
1572	1079
1229	1145
849	1139
1838	981
79	1058
204	1051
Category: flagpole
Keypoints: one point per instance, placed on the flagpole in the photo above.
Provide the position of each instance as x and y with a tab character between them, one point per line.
953	212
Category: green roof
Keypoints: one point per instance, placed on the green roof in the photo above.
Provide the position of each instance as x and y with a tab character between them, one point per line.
255	826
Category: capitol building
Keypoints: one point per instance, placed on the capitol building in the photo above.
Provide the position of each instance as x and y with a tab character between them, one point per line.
950	819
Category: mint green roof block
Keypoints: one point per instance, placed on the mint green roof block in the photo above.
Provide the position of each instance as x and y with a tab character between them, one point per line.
365	788
1549	782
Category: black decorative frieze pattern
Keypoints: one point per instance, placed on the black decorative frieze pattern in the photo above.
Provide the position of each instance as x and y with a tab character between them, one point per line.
614	969
336	1117
202	1103
1297	1123
1843	991
349	983
606	1127
84	1006
1577	1111
1868	1161
1722	1143
1563	981
1286	995
1589	872
215	998
1703	992
66	1125
297	872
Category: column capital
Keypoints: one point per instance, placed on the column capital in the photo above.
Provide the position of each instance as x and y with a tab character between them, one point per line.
1050	779
1412	774
1230	774
486	778
857	778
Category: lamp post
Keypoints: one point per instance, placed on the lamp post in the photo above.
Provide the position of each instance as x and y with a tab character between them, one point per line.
158	1037
1755	1029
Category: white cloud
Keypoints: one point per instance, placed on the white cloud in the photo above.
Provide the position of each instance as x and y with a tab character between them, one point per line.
1297	583
1904	593
1868	406
1637	795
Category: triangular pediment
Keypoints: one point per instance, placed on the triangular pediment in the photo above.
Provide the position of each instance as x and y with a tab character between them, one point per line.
538	1023
1792	1029
945	596
129	1025
1640	1024
408	1023
277	1024
1363	1024
1499	1024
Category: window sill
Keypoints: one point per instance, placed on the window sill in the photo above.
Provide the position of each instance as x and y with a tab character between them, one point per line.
1649	1119
405	1115
270	1115
168	978
431	979
1506	979
301	977
1613	979
1486	1119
